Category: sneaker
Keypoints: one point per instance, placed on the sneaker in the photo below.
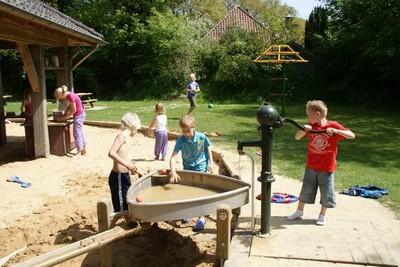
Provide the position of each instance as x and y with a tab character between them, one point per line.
200	224
321	220
295	215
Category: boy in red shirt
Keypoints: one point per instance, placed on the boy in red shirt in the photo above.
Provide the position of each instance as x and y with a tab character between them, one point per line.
321	159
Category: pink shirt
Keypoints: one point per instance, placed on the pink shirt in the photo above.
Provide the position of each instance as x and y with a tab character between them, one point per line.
71	97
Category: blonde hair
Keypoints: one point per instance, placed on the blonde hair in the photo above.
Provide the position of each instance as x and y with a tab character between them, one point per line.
130	121
192	75
187	122
160	108
60	91
317	105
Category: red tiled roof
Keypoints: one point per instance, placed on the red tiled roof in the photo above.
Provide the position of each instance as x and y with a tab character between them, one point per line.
238	18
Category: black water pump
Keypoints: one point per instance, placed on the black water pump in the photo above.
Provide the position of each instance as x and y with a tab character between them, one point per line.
269	119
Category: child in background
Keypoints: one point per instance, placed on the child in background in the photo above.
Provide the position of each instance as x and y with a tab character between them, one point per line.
191	89
119	179
74	109
196	154
321	159
160	123
26	106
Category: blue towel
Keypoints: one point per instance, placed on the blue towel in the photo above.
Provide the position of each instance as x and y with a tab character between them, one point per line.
369	191
16	179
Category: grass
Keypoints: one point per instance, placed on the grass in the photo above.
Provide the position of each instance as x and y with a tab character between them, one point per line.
372	158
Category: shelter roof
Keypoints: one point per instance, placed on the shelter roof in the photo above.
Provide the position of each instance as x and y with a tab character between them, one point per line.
39	12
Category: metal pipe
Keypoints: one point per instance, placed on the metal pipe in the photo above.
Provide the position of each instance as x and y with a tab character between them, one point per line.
252	222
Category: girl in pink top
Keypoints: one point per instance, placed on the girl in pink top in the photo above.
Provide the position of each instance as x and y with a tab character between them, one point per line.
74	109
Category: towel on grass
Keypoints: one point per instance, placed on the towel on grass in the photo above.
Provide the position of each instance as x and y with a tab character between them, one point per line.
281	198
369	191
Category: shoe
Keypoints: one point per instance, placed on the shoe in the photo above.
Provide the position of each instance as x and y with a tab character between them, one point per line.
321	220
200	224
295	215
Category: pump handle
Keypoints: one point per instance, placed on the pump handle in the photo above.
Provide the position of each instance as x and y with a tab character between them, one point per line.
301	128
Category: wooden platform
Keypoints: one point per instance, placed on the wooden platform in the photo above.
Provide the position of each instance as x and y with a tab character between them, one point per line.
339	242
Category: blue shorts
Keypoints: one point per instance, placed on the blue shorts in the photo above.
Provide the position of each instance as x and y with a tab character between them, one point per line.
119	184
326	183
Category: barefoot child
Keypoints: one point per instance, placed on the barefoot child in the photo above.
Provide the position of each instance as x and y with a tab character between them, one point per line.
321	159
196	154
119	179
160	122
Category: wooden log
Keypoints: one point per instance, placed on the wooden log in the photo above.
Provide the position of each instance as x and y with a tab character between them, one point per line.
224	217
75	249
3	135
39	106
104	210
29	66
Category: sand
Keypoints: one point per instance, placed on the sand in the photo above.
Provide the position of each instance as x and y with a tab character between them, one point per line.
60	206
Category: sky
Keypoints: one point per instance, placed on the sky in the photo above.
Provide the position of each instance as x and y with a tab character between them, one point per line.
303	7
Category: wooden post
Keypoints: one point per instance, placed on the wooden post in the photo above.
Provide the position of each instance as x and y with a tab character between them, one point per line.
39	106
3	136
224	216
104	210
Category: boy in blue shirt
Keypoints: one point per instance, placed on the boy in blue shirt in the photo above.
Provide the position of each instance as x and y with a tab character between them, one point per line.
196	154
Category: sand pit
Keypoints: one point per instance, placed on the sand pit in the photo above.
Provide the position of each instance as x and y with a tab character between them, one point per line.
60	206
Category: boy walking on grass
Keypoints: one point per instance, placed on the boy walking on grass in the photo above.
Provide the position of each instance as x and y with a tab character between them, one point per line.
321	159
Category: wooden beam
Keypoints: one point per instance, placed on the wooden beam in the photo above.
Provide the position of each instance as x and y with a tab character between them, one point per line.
39	106
75	249
224	217
29	66
104	221
3	135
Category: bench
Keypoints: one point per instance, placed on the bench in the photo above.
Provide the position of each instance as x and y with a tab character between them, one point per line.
89	101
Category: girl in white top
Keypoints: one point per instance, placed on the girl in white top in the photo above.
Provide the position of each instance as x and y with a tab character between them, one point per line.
159	123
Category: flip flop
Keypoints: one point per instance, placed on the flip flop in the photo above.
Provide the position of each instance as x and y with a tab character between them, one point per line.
16	179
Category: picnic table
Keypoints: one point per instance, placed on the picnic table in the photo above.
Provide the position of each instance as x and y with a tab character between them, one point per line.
86	99
5	97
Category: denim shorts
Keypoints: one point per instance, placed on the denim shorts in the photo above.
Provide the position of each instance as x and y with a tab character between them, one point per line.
326	183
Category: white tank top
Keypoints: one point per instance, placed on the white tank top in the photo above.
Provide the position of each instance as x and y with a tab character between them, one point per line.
161	123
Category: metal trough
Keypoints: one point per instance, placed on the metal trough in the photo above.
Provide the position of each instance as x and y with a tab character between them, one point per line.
233	192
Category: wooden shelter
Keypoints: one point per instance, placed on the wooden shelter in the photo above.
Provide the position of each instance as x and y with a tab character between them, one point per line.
35	29
237	17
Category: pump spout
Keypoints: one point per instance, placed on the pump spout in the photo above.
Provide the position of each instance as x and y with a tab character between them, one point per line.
241	145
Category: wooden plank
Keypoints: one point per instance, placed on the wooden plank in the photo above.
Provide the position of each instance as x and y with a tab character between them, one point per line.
39	106
75	249
3	135
224	217
29	66
104	221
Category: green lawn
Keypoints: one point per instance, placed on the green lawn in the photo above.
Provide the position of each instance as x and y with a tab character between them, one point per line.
372	158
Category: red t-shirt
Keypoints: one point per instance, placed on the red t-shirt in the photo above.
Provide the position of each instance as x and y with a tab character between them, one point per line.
322	148
71	97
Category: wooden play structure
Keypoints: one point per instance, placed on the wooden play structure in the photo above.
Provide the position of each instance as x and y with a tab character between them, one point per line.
232	194
279	55
47	40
